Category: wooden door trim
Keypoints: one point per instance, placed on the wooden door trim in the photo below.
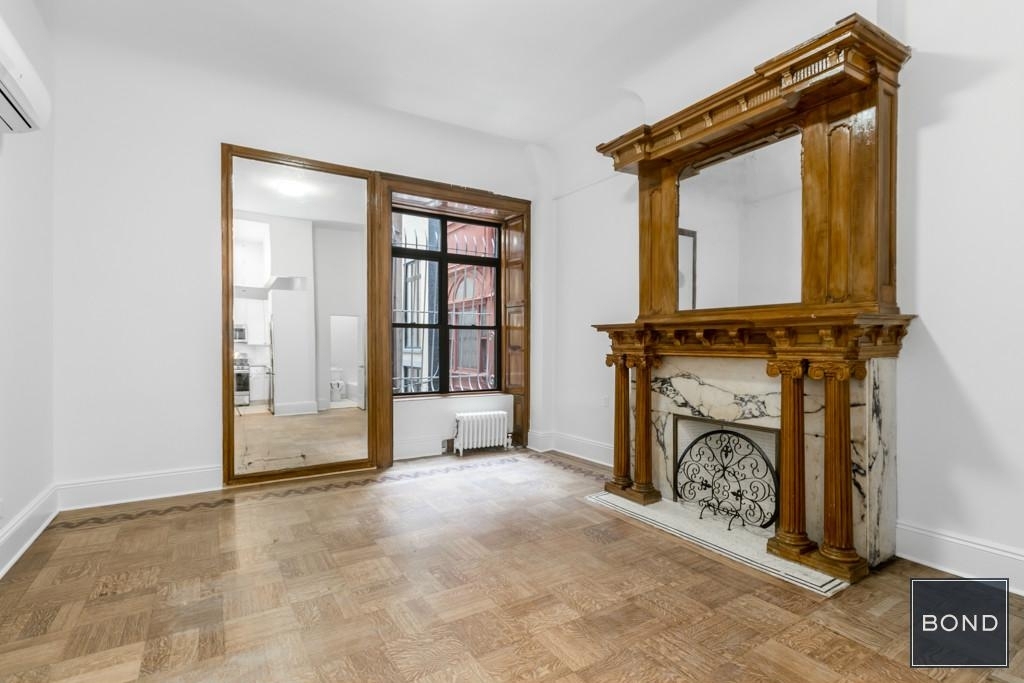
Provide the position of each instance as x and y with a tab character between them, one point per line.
378	425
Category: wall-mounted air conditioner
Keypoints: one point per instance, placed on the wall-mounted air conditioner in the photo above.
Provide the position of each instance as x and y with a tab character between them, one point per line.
24	100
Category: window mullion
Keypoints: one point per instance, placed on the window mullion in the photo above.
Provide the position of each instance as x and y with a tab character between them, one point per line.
442	304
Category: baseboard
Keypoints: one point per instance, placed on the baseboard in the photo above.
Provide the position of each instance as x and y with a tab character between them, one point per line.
576	446
407	449
297	408
540	441
134	487
23	529
961	555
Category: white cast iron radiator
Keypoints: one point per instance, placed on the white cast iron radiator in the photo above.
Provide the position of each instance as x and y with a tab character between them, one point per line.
481	430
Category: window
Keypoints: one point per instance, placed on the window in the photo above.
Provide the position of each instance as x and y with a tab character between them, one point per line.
444	263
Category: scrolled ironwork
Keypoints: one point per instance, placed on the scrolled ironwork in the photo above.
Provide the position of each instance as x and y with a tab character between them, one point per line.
727	473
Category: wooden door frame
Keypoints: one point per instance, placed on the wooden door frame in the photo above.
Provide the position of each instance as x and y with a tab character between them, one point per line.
378	397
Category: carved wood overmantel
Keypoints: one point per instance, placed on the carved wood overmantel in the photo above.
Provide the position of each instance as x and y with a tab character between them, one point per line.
838	92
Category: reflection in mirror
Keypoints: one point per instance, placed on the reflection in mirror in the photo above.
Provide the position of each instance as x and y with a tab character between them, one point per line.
299	246
746	212
438	263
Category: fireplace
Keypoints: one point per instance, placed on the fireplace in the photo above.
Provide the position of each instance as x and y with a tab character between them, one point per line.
817	364
726	470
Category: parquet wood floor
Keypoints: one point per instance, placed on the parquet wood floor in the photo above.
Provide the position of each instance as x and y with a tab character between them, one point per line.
266	442
486	568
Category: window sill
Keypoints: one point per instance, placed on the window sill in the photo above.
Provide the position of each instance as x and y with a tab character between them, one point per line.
454	394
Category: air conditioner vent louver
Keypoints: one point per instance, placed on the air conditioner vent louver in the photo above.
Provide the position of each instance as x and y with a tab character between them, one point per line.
10	117
24	100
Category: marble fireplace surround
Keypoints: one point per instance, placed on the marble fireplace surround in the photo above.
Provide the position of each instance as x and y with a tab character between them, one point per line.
738	392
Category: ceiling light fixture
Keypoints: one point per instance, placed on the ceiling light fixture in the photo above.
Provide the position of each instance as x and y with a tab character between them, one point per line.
291	188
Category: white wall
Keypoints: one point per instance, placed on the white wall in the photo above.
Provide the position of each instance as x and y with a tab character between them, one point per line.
340	263
141	137
27	497
250	263
348	356
960	205
746	213
293	316
709	208
770	249
427	422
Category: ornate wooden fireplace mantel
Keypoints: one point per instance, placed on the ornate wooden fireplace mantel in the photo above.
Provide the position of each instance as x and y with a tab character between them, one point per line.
839	91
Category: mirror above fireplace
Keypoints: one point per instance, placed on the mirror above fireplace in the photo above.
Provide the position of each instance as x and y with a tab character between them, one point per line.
740	223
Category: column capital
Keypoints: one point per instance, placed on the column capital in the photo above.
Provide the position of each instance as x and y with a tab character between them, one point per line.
615	359
644	360
787	367
841	370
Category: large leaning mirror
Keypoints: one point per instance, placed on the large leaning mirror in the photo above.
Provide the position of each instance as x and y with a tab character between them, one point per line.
298	319
740	229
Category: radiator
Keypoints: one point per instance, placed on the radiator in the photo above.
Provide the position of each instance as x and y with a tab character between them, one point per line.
481	430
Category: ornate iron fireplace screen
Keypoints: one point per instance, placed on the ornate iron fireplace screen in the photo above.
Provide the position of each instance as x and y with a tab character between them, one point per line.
727	473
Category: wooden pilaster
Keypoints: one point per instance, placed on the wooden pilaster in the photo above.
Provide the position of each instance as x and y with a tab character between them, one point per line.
621	478
837	556
790	540
642	491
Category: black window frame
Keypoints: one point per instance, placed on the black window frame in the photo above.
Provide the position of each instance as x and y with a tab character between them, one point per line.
443	258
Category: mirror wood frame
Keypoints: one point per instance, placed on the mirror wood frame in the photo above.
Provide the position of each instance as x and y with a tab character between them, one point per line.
839	90
378	403
514	215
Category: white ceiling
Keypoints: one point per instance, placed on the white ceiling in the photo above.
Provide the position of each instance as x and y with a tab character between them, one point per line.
314	195
523	69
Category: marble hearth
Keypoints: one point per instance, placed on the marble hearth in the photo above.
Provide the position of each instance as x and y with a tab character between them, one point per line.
739	392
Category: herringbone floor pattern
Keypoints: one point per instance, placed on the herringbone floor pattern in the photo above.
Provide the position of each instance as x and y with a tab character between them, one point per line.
488	568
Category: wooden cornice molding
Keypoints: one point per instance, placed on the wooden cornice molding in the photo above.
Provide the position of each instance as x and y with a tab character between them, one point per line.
844	59
850	337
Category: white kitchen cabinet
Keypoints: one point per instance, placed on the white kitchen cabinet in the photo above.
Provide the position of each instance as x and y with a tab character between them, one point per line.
253	314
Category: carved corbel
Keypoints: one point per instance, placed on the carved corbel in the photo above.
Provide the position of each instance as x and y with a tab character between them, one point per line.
828	336
783	337
648	337
738	336
876	334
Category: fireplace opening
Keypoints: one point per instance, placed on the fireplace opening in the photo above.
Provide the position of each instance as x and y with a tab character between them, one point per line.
726	469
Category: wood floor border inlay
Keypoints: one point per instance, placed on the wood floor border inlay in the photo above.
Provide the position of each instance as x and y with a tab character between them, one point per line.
230	499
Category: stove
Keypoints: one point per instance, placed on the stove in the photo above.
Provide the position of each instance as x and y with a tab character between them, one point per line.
241	381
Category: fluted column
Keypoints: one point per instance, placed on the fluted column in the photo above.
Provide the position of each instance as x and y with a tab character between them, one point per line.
642	491
837	555
790	538
621	478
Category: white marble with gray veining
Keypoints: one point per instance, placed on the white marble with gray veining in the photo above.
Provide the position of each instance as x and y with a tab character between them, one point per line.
740	391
